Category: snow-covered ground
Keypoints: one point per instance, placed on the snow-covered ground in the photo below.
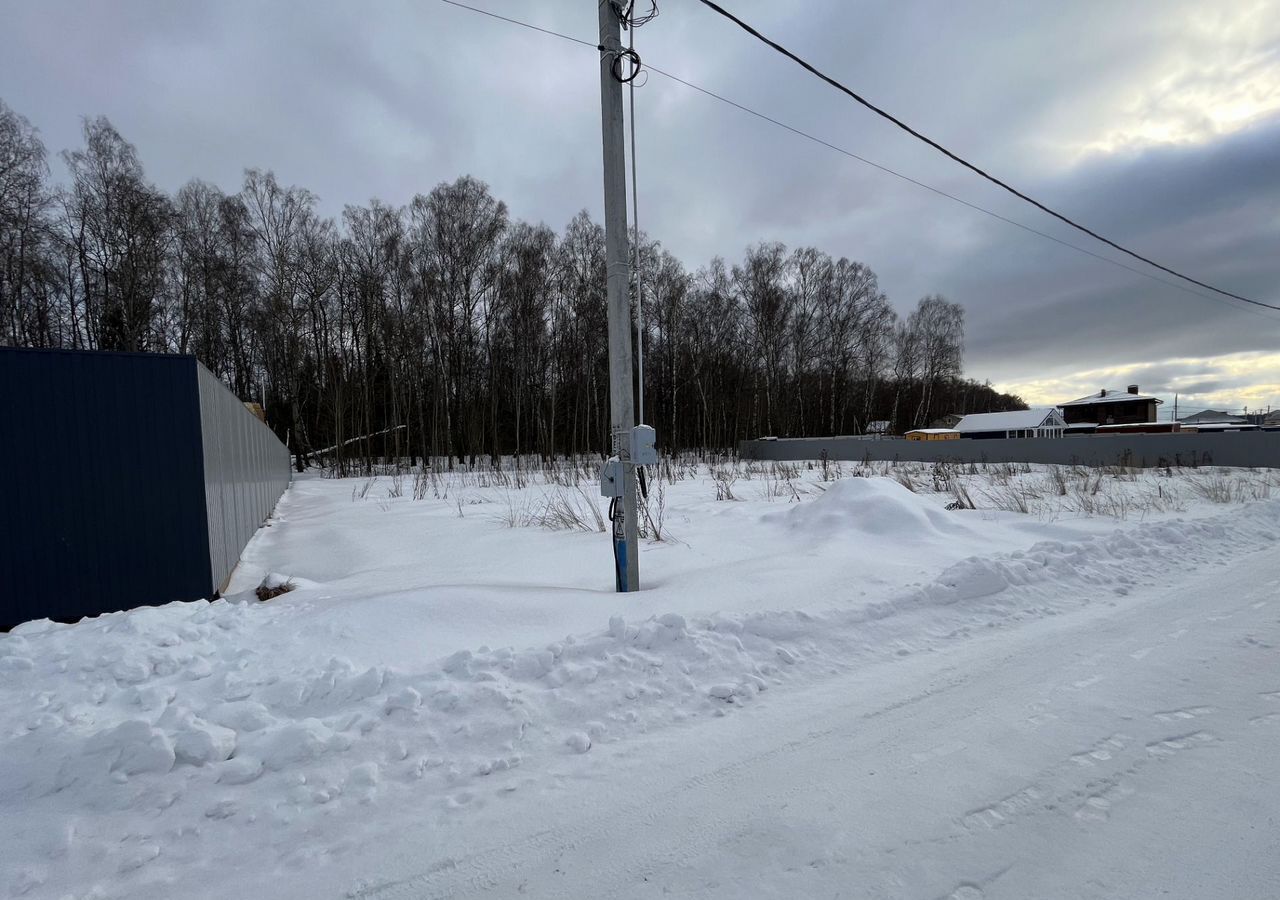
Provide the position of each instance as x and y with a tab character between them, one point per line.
833	685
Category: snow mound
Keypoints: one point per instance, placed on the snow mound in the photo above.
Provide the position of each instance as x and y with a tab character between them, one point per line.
875	507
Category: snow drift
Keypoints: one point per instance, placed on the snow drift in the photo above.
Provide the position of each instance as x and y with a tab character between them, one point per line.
876	508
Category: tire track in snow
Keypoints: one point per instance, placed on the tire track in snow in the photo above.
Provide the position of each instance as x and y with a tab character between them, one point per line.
651	811
489	866
1121	764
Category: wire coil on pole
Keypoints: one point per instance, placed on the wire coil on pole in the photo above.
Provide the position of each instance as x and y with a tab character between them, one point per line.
632	59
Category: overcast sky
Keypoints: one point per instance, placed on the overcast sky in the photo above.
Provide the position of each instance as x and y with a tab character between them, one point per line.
1157	123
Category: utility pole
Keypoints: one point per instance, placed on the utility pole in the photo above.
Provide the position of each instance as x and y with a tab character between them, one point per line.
621	400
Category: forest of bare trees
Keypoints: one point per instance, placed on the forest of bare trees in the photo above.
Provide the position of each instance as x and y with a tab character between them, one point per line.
445	328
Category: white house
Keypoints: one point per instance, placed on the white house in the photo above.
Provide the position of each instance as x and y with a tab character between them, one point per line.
1021	423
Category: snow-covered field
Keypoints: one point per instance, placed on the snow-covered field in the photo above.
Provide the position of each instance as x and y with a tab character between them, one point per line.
832	685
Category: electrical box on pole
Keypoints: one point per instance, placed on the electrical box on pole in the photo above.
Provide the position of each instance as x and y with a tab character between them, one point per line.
644	451
611	478
625	532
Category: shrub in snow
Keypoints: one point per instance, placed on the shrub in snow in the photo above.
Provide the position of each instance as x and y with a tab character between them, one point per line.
273	586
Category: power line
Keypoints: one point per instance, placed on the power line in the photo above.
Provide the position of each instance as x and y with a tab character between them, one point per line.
941	193
635	218
886	169
494	15
964	162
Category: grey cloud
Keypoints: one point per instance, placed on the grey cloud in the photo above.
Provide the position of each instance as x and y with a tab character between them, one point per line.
1111	317
1197	387
388	99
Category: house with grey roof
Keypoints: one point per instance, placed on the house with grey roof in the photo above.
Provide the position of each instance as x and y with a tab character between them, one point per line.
1020	423
1213	417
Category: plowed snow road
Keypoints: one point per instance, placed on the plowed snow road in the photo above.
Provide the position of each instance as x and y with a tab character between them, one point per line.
1121	751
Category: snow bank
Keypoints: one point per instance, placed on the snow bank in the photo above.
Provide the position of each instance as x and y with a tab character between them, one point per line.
148	754
871	507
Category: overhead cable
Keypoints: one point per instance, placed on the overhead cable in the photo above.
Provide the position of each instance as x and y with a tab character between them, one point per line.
968	165
896	174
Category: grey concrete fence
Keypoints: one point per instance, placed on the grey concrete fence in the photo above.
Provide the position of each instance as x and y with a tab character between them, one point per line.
1243	449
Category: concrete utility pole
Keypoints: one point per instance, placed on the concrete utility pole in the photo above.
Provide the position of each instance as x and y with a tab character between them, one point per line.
621	400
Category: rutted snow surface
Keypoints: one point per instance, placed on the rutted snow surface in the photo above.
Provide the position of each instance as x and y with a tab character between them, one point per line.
149	754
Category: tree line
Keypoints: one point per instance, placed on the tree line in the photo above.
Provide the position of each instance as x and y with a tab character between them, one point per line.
446	328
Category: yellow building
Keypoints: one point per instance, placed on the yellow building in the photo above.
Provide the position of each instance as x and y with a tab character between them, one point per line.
933	434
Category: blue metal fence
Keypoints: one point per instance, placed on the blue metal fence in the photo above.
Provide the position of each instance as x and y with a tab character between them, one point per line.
107	470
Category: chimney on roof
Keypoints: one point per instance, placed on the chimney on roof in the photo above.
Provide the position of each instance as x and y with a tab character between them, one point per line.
1133	389
1102	393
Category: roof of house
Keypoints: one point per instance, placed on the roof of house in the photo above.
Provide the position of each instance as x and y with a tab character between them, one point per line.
1223	426
1121	425
1110	397
1212	415
1008	421
933	431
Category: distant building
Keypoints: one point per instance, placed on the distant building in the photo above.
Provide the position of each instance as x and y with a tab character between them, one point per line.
1022	423
1212	417
1111	407
1204	427
950	420
1142	428
880	426
933	434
